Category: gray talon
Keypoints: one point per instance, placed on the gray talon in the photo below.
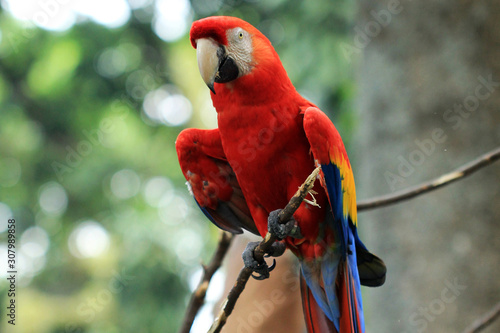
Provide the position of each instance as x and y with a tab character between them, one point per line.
281	231
248	259
261	268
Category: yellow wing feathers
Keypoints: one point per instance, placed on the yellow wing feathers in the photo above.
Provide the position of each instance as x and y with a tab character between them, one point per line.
339	158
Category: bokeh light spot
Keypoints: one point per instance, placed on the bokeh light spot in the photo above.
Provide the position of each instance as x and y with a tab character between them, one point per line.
166	106
173	209
175	110
157	188
88	240
125	184
34	242
111	13
136	4
62	15
53	198
188	246
111	63
172	18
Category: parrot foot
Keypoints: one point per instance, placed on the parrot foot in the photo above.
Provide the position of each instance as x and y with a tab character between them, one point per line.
261	268
281	231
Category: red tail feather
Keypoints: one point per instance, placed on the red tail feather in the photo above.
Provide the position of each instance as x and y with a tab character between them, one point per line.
349	315
316	320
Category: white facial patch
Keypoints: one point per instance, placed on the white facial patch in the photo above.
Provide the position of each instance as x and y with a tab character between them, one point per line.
240	48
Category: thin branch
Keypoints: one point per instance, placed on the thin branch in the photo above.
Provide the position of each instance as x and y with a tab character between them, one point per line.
484	321
264	247
198	296
432	185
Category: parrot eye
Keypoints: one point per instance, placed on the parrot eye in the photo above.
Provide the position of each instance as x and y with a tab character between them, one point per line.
240	35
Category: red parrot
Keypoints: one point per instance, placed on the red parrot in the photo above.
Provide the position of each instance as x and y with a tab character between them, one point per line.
268	140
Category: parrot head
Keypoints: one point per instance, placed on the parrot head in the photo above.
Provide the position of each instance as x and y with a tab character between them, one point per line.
230	50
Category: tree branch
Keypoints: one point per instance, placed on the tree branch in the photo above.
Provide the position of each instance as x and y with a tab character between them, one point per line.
264	247
432	185
198	296
484	321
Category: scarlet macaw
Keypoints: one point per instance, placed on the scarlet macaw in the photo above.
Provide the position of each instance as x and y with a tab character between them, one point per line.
268	140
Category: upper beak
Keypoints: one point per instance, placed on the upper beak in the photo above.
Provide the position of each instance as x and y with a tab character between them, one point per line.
208	60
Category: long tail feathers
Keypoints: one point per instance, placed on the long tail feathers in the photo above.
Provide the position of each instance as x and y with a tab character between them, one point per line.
316	320
351	319
349	302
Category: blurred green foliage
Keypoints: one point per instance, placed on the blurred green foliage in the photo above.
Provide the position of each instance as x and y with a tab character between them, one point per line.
79	153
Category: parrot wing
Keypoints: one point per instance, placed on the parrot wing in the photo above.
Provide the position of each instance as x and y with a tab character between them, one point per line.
335	282
338	180
212	181
336	176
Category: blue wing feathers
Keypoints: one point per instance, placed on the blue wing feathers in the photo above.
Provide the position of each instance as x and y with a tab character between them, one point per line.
227	217
226	227
354	279
348	239
334	188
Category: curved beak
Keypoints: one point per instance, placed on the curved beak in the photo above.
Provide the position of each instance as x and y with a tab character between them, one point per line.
207	52
214	63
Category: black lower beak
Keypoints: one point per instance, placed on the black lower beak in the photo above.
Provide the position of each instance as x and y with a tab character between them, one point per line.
228	70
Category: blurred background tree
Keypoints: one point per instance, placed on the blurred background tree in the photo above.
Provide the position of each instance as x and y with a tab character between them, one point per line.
92	97
94	93
429	100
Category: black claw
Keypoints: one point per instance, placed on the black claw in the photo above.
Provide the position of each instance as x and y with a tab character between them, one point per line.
264	273
273	266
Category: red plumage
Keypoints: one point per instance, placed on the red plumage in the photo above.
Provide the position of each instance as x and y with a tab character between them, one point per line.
269	139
